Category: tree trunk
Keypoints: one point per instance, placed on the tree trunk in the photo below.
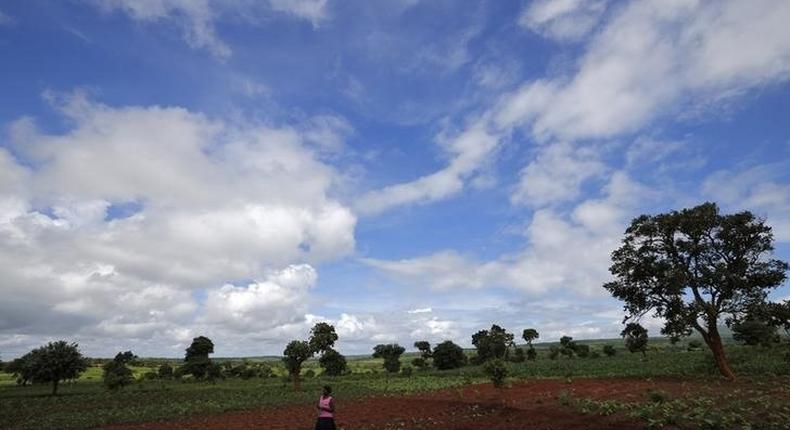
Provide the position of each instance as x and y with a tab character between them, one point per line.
297	382
55	387
717	348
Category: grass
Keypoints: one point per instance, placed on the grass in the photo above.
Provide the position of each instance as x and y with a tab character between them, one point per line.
86	404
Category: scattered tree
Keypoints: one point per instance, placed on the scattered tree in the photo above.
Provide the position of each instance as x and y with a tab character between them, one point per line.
529	335
693	266
322	337
116	372
609	350
493	343
196	360
567	346
635	338
333	362
52	363
296	352
753	332
448	355
425	349
391	354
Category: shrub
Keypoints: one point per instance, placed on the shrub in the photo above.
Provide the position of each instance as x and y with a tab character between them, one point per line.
609	350
582	351
694	345
165	371
406	371
419	363
496	371
391	354
333	362
309	374
116	374
518	356
554	352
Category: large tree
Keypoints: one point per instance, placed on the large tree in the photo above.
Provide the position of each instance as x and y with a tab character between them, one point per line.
54	362
493	343
693	267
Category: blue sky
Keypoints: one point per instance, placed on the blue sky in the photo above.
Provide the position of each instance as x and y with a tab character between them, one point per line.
403	169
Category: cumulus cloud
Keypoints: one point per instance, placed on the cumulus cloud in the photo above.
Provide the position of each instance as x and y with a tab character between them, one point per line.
653	58
214	202
314	11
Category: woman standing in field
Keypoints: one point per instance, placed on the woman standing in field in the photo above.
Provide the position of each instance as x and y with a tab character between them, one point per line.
326	410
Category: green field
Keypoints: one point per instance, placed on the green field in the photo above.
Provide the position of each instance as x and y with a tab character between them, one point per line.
87	404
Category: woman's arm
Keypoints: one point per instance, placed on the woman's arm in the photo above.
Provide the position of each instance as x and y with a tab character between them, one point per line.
332	405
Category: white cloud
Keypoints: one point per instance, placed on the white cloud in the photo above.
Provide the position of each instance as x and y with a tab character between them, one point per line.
468	153
564	255
557	174
314	11
215	202
653	58
4	19
761	189
420	311
563	20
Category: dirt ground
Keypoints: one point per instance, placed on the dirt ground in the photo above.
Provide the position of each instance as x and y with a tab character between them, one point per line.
524	405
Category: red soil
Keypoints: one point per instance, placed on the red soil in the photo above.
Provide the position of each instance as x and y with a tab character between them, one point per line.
531	404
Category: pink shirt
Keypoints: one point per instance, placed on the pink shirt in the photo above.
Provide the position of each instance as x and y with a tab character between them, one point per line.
323	402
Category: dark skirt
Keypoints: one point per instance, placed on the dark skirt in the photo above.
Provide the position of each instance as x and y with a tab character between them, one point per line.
324	423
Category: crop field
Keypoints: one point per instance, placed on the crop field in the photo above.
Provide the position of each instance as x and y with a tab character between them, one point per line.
668	388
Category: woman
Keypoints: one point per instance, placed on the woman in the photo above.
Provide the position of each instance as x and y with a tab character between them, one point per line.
326	410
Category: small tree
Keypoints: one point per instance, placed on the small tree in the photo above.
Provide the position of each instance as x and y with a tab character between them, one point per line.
774	314
296	352
554	352
333	362
391	354
609	350
635	338
518	356
529	335
567	346
196	360
531	354
116	372
693	266
448	355
425	349
496	369
753	332
493	343
583	351
165	371
322	337
54	362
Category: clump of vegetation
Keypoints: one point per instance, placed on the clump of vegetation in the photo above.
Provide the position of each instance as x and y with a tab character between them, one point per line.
635	338
197	362
116	372
391	354
609	350
529	335
447	355
754	332
493	343
295	353
496	370
333	363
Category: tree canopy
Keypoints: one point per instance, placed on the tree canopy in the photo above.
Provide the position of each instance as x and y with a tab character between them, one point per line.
322	337
295	353
635	337
693	266
51	363
448	355
493	343
391	354
196	360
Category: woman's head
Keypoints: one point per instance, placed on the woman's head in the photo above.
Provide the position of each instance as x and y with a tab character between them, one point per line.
327	390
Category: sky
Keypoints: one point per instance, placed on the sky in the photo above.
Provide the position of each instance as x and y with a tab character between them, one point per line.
403	169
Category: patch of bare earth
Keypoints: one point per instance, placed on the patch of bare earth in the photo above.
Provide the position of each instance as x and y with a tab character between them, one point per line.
531	404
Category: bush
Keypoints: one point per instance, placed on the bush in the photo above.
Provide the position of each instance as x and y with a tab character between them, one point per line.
406	371
116	374
531	353
165	371
309	374
694	345
448	355
554	352
496	371
582	351
609	350
333	362
518	356
753	332
419	363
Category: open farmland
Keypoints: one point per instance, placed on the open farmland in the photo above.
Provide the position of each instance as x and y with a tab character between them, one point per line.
608	391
